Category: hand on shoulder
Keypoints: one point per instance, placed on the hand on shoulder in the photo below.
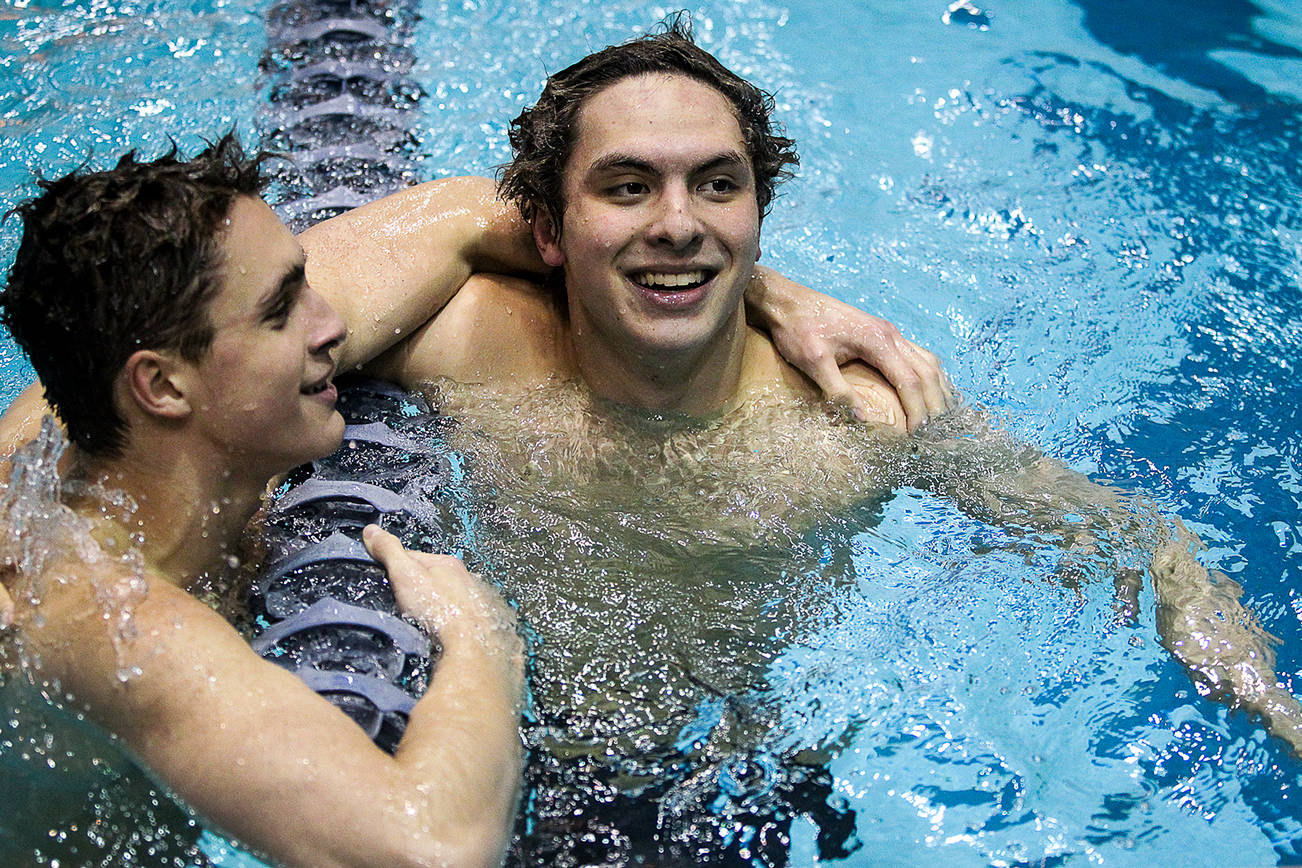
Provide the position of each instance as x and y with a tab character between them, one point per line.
879	400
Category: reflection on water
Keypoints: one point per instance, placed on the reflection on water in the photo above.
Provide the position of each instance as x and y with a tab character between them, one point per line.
1183	38
675	574
90	804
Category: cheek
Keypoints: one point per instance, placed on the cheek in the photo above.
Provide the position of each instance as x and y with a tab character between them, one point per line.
600	231
261	373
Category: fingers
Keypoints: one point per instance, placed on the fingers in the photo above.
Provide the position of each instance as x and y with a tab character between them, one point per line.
382	545
438	590
937	390
915	373
395	558
825	372
420	580
936	393
915	384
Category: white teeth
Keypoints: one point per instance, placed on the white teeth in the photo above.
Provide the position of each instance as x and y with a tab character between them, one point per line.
671	281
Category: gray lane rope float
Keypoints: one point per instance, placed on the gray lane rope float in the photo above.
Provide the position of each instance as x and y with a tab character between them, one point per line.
324	606
340	103
340	106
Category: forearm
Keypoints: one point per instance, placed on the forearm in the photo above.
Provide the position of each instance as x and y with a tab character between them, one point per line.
389	266
244	742
1200	617
463	738
770	298
1203	623
1006	482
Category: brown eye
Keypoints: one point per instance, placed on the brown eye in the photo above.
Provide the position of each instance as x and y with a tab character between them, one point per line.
630	188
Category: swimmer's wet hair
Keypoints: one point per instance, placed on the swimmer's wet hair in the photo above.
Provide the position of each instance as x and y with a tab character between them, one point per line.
542	137
117	261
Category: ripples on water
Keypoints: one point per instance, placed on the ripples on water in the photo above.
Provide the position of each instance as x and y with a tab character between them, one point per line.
721	611
1097	227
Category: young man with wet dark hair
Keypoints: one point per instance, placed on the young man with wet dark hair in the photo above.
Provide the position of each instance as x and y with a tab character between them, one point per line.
166	309
94	262
645	170
653	316
543	138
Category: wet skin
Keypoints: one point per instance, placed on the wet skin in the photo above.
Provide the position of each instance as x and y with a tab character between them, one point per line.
263	391
659	240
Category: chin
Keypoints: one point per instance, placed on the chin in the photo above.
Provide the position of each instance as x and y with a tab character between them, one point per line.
681	340
326	438
333	433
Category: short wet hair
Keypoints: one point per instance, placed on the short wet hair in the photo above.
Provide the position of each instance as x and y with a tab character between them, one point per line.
543	136
117	261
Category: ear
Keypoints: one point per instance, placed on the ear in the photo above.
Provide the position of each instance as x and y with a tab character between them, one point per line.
547	240
157	384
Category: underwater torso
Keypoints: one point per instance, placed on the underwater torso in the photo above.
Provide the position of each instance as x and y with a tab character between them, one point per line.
659	563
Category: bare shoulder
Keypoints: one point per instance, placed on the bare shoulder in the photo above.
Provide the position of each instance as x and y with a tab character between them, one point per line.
21	421
882	399
500	332
88	625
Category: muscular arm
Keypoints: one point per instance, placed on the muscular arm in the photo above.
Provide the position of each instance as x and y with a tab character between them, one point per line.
1201	619
261	756
389	266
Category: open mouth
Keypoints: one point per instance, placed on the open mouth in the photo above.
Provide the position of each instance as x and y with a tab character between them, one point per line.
660	281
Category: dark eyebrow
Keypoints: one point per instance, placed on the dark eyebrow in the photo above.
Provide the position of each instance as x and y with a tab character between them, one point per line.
628	162
290	285
725	160
622	162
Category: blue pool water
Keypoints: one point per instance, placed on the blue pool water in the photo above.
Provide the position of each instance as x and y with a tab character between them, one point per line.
1091	210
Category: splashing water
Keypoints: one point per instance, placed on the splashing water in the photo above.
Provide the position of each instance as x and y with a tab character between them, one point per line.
91	805
40	526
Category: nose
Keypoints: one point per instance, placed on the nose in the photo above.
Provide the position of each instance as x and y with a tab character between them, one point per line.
675	224
327	330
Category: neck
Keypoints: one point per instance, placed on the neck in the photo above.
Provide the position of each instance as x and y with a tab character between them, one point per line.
189	512
696	380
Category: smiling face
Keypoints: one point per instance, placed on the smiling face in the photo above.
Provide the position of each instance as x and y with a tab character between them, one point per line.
262	392
661	227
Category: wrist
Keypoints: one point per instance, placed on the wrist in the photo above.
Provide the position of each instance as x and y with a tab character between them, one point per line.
765	302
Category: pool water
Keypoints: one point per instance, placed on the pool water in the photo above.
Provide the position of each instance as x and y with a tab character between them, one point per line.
1090	210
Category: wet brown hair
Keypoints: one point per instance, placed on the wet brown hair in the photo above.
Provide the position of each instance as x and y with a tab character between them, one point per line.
543	136
116	261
